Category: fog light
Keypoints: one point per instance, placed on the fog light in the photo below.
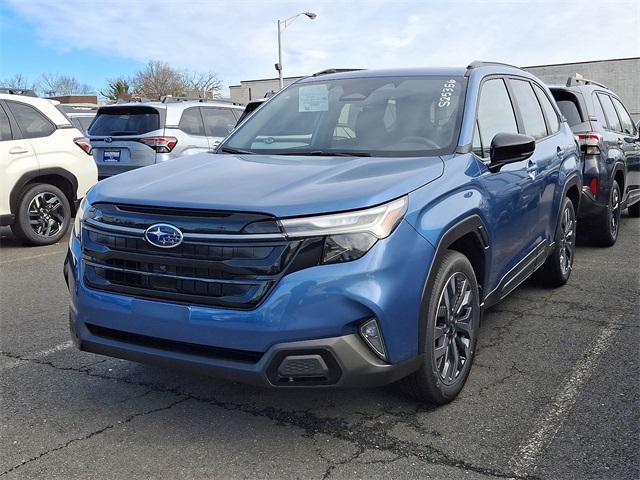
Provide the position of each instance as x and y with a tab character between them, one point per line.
371	333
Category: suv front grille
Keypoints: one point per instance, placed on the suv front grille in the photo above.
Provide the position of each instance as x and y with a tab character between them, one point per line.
205	269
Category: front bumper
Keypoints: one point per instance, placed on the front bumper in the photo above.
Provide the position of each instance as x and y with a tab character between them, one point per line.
315	311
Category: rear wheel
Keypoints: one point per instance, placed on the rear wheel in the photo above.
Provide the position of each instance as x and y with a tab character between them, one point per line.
557	269
606	227
43	215
453	317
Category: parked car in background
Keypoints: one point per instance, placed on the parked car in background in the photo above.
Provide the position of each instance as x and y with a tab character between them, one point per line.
127	136
349	233
610	147
80	114
249	108
45	169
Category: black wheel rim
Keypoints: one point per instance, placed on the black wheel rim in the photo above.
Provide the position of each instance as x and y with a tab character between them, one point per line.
46	214
454	328
567	240
614	212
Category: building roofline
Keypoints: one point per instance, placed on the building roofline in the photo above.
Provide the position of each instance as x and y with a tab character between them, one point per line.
582	63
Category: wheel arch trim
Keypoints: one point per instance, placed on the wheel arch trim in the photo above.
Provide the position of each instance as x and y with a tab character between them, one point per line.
28	177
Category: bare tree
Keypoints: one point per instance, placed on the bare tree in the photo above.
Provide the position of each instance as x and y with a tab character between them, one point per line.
18	82
157	79
201	84
55	85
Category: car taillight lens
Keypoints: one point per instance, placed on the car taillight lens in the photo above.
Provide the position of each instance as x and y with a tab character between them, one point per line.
84	144
160	144
593	186
590	143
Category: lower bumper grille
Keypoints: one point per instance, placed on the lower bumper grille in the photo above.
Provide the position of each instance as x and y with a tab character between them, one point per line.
173	346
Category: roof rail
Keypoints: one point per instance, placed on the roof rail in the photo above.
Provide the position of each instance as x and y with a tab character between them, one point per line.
336	70
172	99
18	91
578	79
481	63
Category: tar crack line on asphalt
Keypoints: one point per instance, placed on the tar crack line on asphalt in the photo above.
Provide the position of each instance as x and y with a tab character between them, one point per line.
551	420
42	354
363	436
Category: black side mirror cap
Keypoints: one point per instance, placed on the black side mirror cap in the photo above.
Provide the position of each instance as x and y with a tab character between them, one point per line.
509	148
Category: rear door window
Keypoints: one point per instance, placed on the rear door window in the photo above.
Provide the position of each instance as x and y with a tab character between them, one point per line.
31	122
115	121
191	122
532	117
5	126
625	120
495	113
549	112
218	122
610	112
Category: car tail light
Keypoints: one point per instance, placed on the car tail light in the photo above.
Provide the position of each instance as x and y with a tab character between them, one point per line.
160	144
593	186
84	143
590	143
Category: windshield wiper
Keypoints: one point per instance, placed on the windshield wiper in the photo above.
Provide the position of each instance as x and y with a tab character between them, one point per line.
326	153
236	150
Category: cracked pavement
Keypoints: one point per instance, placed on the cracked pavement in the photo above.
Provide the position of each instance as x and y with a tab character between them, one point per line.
73	415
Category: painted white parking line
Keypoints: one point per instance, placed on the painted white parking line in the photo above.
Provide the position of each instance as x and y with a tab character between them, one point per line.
551	420
38	355
19	259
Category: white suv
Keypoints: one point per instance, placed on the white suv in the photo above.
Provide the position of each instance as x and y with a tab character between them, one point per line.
45	168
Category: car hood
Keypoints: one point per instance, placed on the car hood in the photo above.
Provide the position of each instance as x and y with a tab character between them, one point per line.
283	186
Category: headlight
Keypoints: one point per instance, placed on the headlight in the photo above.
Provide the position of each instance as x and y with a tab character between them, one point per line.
77	223
350	235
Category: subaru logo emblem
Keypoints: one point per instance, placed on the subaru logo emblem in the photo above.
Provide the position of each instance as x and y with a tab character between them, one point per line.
163	235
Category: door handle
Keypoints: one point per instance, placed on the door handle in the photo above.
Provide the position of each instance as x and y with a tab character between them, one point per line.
532	169
560	152
18	149
620	142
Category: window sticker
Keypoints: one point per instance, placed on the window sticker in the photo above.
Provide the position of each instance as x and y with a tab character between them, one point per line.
313	98
447	93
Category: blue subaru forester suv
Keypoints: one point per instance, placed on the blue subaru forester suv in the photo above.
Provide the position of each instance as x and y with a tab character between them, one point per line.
348	233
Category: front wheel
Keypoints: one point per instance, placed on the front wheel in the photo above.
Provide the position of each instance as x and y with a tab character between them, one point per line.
557	269
43	215
452	322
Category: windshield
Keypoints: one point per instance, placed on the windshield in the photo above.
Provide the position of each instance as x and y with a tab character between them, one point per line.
377	116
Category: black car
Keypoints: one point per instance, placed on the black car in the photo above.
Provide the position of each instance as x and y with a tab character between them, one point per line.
611	152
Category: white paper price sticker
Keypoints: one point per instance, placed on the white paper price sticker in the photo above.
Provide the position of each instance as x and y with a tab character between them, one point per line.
313	98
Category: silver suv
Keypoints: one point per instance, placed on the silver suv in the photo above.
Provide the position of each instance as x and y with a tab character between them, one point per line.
132	135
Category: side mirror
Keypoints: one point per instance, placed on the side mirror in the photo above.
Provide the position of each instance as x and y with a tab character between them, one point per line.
509	148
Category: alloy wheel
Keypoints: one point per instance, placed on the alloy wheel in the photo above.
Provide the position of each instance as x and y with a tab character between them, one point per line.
46	214
454	328
567	240
614	212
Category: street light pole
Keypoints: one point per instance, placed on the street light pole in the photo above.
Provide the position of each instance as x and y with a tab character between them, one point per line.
280	57
282	24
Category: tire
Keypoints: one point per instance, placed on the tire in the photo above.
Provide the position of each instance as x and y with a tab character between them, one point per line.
557	268
448	336
43	216
605	228
634	210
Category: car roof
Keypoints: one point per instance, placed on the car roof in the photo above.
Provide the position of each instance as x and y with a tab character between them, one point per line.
46	106
583	88
483	68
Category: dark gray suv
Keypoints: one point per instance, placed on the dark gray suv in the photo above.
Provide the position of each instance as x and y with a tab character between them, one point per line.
610	147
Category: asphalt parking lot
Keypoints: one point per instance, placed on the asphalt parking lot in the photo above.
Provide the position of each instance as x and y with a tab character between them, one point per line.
554	394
